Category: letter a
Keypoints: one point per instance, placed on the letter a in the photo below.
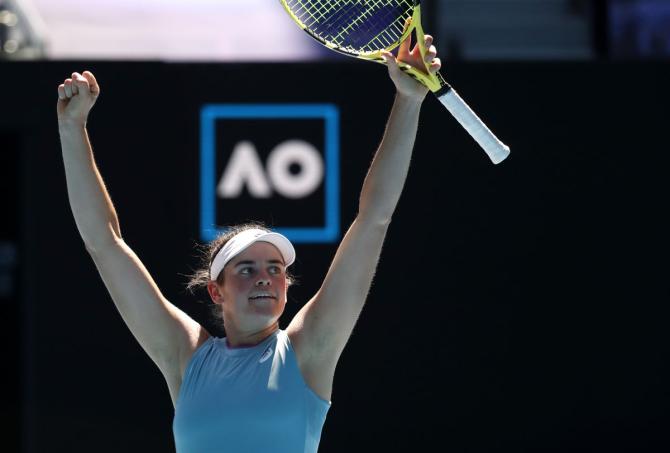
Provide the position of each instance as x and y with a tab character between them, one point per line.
244	168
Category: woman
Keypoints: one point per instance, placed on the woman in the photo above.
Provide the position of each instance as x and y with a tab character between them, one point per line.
260	388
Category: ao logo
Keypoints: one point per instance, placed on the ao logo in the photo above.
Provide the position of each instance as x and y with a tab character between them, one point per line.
244	168
261	159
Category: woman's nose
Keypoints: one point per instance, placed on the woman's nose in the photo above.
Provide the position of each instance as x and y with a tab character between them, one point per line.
263	279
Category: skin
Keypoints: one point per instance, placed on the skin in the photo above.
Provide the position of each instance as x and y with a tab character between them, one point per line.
322	327
258	269
405	85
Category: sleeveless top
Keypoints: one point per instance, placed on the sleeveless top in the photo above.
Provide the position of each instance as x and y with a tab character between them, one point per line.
247	400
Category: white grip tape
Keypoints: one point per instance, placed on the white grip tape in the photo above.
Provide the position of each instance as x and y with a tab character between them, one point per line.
495	149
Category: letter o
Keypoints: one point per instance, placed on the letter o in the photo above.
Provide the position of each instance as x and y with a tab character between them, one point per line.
295	152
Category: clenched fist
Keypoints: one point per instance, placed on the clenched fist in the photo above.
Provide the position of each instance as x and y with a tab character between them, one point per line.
76	97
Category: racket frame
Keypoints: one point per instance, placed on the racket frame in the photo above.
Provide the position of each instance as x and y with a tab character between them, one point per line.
434	82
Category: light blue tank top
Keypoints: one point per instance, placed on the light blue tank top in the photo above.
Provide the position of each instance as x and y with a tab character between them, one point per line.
247	400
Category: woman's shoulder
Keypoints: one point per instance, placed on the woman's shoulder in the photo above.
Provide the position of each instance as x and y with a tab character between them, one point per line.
201	338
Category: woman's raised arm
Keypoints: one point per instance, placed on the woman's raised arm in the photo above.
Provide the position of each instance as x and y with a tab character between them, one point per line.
166	333
320	330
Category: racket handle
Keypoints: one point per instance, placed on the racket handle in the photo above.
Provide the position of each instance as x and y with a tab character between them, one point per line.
495	149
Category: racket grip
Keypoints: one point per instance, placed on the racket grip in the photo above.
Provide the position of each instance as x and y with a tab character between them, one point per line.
493	147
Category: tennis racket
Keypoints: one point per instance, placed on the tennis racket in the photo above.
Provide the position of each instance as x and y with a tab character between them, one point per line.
366	28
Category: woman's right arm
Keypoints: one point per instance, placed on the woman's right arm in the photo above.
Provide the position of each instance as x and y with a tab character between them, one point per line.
167	334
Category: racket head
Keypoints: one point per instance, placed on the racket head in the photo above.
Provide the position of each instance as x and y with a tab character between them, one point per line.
364	29
360	28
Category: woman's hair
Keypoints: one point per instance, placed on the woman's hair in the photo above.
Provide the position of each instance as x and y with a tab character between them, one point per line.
200	278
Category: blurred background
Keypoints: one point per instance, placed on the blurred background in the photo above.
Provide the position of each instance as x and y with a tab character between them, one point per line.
550	329
218	30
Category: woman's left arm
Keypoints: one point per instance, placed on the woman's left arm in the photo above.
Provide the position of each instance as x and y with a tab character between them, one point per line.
321	329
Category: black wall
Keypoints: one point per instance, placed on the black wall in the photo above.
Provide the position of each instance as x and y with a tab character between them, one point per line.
519	307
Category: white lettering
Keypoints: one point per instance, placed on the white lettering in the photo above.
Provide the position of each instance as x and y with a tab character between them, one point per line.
244	168
303	154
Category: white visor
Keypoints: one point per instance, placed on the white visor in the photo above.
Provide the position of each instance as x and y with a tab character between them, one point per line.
244	239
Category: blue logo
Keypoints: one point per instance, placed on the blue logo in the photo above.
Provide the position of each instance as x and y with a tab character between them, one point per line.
310	134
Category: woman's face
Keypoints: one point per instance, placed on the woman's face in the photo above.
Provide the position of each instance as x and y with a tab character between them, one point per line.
254	288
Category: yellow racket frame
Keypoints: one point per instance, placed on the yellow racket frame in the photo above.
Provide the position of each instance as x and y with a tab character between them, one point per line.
434	82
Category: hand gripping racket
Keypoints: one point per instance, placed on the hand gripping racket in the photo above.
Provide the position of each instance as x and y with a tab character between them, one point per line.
366	28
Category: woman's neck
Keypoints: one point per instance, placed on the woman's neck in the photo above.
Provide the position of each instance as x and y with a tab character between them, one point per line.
239	339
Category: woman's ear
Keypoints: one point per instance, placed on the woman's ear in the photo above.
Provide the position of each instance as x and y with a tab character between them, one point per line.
214	292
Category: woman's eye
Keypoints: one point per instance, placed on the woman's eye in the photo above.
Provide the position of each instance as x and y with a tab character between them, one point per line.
276	270
246	270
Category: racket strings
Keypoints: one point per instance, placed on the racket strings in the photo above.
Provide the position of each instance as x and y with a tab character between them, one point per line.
355	26
389	35
382	38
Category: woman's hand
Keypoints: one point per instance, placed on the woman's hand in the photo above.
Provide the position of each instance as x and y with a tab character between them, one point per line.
76	97
404	83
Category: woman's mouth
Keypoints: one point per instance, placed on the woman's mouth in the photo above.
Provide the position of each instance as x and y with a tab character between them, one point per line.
262	296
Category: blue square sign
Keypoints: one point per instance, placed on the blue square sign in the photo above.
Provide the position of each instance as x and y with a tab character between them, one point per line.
276	158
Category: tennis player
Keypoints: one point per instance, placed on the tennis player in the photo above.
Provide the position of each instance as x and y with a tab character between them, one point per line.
261	388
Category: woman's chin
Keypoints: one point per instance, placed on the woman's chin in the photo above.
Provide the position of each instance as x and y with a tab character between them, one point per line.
267	308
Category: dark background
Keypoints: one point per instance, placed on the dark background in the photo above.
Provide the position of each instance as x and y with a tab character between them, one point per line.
518	307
